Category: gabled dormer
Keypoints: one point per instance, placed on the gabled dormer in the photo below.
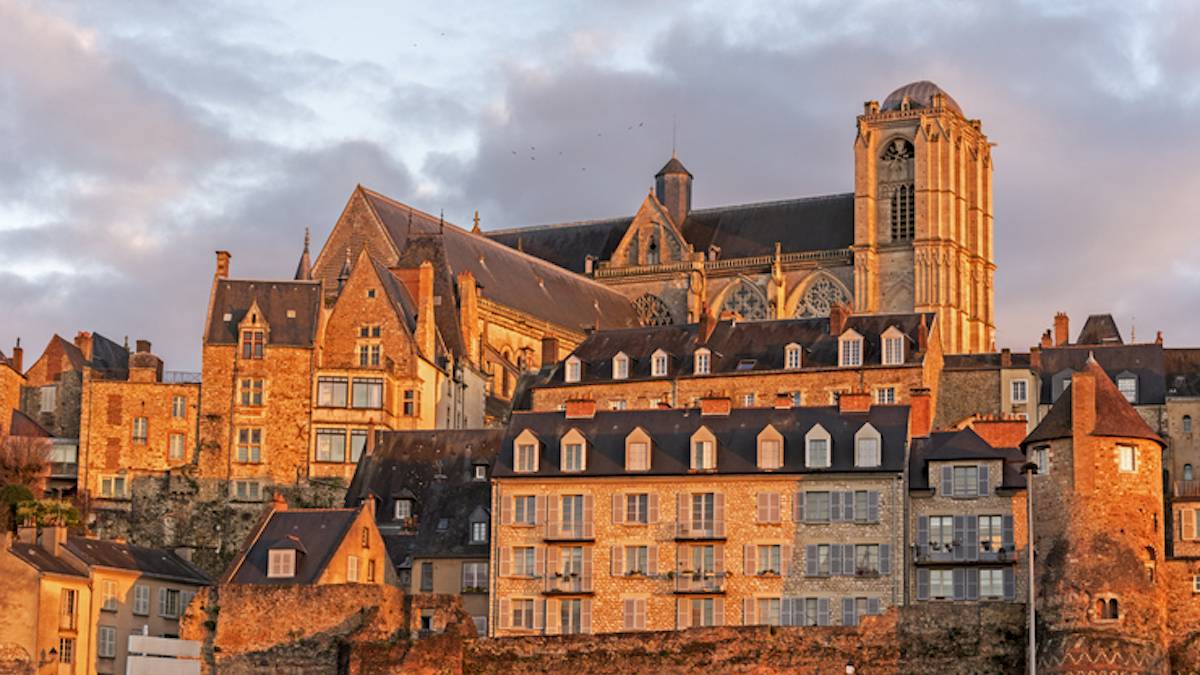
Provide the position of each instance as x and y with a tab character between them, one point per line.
818	448
703	450
868	447
702	361
620	366
660	363
652	238
793	356
637	450
252	333
573	369
526	452
850	349
892	347
573	452
770	449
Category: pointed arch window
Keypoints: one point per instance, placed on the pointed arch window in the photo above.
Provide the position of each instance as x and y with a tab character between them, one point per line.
819	297
747	302
903	212
652	311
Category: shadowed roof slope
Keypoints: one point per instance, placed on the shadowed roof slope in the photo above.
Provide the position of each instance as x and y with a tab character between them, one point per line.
44	561
152	562
317	533
964	444
1100	329
234	297
1114	415
1143	360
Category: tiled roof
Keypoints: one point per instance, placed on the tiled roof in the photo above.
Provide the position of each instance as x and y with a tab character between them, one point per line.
1143	360
316	532
152	562
1114	415
964	444
43	561
234	297
739	346
818	223
435	470
737	433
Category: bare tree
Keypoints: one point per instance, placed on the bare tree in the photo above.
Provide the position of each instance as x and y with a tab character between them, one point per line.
24	460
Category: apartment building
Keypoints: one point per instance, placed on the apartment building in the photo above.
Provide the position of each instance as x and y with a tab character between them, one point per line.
610	521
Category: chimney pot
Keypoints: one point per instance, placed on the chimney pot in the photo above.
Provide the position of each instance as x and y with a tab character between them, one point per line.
783	401
581	409
18	357
223	264
920	412
1062	326
854	402
1158	339
1006	358
278	503
713	406
1046	341
143	346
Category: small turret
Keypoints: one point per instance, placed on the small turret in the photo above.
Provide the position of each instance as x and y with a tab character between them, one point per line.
673	187
304	269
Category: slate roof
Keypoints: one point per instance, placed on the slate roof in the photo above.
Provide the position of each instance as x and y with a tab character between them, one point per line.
1100	329
963	444
24	425
397	293
109	356
1114	415
1182	368
805	224
735	342
1143	360
920	95
44	561
673	165
274	298
152	562
435	470
987	361
737	433
316	532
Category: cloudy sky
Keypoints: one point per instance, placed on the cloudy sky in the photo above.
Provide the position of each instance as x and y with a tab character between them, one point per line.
137	137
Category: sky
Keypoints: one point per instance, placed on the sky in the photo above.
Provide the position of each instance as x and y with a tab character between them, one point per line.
138	137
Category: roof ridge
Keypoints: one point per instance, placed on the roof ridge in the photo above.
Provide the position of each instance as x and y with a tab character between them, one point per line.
395	202
302	282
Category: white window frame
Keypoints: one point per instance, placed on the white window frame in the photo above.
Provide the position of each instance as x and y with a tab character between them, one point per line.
573	452
659	363
479	532
1041	457
850	349
708	452
793	357
637	450
868	433
106	642
893	347
1024	387
1131	452
702	362
281	563
174	440
1130	380
620	366
818	433
352	569
574	370
885	395
526	453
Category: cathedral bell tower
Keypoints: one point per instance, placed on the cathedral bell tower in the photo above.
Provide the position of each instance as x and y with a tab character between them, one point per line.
923	215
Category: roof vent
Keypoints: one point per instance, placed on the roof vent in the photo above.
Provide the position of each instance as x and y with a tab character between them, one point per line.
227	317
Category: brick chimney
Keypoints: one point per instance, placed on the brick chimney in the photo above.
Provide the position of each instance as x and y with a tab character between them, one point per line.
549	350
1035	358
854	402
1006	358
581	409
1001	431
920	412
922	335
468	315
1083	421
1046	341
223	264
278	503
783	401
144	366
1062	329
715	406
839	312
18	357
83	341
426	322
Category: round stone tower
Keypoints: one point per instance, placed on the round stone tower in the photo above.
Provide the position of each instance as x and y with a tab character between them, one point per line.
1098	530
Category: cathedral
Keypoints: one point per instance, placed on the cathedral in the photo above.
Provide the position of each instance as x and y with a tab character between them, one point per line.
915	235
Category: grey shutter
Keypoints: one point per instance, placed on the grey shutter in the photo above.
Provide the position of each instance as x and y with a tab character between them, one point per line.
835	506
922	532
1006	534
885	559
971	532
835	560
973	583
984	481
873	606
848	611
786	615
848	562
922	584
848	506
873	507
822	611
960	583
947	481
810	560
798	516
1010	584
960	533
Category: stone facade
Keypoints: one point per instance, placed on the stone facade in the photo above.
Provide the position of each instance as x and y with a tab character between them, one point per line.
11	381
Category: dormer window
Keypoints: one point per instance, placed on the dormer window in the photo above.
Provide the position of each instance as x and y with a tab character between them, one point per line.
817	444
791	356
574	369
1127	384
704	452
893	347
867	444
850	349
702	362
637	450
281	563
770	449
620	366
525	453
658	364
479	472
574	452
253	342
403	509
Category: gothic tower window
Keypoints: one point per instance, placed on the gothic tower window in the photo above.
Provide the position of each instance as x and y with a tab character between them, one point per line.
747	301
819	297
896	185
903	208
652	311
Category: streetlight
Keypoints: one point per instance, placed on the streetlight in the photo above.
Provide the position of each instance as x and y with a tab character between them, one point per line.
1030	469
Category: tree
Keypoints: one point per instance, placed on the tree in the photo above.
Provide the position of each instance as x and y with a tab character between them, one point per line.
11	496
24	460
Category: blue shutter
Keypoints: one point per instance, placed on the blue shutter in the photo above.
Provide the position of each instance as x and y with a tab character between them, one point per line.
973	584
1010	584
947	481
960	533
960	583
822	611
1006	534
835	506
810	560
972	537
873	507
984	482
848	612
922	533
835	560
885	559
848	506
922	584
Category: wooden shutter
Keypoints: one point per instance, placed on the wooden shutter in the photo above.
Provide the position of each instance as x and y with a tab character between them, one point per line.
505	618
539	510
747	611
960	583
971	534
885	559
922	584
719	514
810	560
585	616
973	583
760	510
652	508
587	568
629	614
1010	584
785	560
587	515
1006	534
985	485
798	507
776	507
652	560
719	559
835	506
682	615
506	554
848	507
506	510
822	611
552	521
947	481
683	514
873	507
162	602
835	560
617	557
551	622
848	618
618	513
748	559
539	561
1189	524
960	533
639	613
787	612
718	611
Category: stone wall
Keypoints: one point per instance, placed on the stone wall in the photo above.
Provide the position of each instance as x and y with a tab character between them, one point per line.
970	392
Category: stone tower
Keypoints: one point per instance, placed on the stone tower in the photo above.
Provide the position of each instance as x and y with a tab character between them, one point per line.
1098	519
923	214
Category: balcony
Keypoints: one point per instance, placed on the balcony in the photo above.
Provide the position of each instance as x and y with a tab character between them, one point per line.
1186	489
572	582
569	532
942	554
68	470
688	581
707	529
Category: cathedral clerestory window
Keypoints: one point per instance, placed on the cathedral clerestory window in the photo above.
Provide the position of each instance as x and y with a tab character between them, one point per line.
903	211
746	302
652	311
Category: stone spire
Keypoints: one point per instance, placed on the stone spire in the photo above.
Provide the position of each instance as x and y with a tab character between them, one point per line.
304	269
475	228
